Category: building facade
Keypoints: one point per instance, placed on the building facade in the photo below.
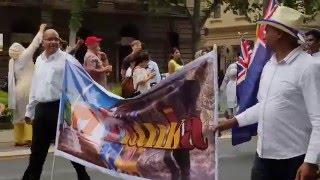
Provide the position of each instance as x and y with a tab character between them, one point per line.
117	22
224	28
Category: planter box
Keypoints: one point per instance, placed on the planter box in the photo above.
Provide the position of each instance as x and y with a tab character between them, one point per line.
6	125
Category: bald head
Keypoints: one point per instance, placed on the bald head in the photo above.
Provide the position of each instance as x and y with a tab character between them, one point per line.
50	32
51	41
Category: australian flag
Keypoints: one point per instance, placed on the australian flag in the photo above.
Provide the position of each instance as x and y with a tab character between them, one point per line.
250	66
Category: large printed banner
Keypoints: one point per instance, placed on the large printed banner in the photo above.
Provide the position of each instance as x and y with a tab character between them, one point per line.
162	134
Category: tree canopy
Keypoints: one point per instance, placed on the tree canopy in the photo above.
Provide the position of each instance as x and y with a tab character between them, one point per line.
252	9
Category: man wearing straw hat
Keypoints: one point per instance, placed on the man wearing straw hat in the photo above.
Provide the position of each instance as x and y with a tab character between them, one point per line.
287	112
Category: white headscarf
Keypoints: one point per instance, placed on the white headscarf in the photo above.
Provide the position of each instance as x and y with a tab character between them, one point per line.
232	72
16	50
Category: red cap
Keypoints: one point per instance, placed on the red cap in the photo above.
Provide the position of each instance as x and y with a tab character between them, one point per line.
92	39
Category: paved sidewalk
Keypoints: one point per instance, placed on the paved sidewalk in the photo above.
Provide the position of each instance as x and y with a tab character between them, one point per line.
7	148
6	136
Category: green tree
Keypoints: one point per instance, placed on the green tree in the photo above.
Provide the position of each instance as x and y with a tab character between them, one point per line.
202	10
253	9
197	14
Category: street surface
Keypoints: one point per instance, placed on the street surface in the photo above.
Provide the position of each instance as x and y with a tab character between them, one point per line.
235	163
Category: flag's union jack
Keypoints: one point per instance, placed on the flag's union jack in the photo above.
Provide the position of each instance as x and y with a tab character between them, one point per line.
244	60
250	67
247	55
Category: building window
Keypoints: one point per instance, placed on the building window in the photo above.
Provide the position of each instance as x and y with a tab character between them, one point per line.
217	12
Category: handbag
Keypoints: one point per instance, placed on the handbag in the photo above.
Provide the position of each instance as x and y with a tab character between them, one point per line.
127	88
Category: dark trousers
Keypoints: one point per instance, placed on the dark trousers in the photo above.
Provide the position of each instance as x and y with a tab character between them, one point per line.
44	133
180	158
272	169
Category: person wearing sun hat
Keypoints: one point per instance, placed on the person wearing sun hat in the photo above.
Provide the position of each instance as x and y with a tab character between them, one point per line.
287	111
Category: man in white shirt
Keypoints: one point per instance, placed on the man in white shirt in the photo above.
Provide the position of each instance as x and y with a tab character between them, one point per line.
43	105
287	112
153	68
313	42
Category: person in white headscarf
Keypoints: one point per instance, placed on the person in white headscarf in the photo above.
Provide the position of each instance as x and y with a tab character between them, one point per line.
226	77
231	91
20	73
223	94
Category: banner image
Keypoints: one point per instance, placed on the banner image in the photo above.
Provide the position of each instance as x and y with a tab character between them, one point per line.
161	134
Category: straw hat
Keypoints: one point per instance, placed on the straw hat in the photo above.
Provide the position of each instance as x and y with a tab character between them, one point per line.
285	19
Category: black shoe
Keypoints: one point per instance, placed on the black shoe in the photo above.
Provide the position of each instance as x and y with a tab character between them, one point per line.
83	176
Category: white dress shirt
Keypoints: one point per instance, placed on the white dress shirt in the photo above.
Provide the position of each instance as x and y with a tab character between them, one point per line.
140	74
129	72
288	108
153	68
47	80
317	54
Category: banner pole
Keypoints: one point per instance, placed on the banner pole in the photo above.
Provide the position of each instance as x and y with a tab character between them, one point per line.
216	113
52	169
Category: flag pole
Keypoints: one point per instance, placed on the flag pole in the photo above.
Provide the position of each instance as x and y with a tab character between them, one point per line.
52	169
216	104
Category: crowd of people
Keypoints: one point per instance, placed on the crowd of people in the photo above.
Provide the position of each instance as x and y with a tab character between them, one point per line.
34	88
139	72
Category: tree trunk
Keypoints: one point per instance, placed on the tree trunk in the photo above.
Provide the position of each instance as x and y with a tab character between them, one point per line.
196	34
196	27
72	37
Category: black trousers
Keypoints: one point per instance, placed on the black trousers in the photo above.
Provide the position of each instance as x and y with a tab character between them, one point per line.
44	133
180	158
272	169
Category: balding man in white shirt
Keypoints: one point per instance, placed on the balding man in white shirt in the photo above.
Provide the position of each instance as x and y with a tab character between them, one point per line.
43	105
288	108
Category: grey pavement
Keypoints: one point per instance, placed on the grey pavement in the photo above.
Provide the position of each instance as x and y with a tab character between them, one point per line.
13	168
235	163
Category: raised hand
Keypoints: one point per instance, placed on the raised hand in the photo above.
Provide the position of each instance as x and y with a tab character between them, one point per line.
151	75
42	27
109	68
27	120
103	56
